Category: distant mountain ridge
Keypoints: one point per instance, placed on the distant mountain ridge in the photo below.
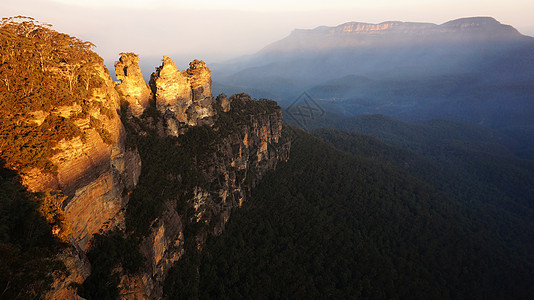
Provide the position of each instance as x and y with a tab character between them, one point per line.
362	34
458	25
474	70
389	49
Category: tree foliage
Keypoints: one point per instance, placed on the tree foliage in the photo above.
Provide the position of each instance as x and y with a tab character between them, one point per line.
40	70
27	247
109	253
330	224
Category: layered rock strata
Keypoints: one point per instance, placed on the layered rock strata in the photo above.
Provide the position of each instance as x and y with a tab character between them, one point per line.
95	173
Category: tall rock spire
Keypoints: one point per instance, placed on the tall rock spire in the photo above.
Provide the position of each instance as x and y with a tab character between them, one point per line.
184	98
172	89
200	77
132	86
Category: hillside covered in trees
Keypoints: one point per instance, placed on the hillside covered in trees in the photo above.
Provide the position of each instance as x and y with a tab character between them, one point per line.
352	222
375	208
42	70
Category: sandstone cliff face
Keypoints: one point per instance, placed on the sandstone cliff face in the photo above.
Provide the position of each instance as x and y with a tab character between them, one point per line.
183	98
95	172
62	133
172	89
241	158
240	161
132	86
200	78
79	269
248	144
162	248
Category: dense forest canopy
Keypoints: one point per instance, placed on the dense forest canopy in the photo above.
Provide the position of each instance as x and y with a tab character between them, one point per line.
41	69
385	209
335	224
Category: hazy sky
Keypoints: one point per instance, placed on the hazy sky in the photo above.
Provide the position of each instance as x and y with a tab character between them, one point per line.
218	30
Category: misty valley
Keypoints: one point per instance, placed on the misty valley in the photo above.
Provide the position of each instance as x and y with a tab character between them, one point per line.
381	161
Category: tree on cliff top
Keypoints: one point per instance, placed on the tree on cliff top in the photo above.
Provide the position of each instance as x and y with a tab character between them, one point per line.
40	69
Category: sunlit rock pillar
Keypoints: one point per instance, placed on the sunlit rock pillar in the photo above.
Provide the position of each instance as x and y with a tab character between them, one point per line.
132	87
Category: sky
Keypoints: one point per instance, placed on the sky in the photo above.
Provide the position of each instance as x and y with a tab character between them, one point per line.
215	31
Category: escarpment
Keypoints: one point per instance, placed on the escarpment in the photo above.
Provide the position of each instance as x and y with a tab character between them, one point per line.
197	178
62	133
139	175
94	171
201	158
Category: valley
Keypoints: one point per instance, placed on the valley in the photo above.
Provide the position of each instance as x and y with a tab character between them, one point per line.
383	161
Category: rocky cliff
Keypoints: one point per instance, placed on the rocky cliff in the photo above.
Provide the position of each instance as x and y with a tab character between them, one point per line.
93	174
139	176
132	86
183	98
94	171
201	156
391	33
218	166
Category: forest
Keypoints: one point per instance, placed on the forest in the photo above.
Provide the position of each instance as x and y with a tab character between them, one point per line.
27	247
352	222
366	207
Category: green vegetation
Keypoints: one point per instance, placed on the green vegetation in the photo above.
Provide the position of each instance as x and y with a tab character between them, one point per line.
333	224
170	171
40	70
109	252
494	188
172	168
27	247
436	209
470	163
242	108
49	204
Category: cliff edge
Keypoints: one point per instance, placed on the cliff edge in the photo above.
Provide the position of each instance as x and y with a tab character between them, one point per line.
137	175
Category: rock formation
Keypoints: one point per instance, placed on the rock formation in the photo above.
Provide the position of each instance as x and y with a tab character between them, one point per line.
200	77
93	173
244	152
78	150
172	89
132	86
224	102
97	177
244	149
184	98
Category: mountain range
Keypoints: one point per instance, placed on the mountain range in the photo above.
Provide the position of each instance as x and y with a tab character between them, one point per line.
386	50
473	70
162	190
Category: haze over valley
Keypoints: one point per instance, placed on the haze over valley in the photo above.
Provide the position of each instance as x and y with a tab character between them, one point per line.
377	159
